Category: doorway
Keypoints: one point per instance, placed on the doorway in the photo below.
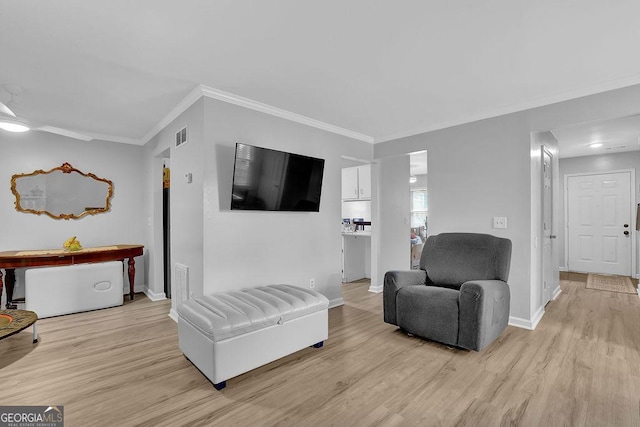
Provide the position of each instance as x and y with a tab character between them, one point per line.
166	222
419	209
547	225
599	232
357	221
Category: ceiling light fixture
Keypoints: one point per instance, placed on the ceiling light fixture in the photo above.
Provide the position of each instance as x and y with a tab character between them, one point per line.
596	145
13	125
10	122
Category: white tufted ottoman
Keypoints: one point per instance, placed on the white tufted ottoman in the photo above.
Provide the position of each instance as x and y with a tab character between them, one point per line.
227	334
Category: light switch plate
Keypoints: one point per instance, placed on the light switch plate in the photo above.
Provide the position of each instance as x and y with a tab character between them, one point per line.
499	222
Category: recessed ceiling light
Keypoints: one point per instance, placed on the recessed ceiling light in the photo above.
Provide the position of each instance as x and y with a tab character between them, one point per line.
596	145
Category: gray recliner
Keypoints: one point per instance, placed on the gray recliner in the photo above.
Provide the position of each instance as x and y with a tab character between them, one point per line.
459	296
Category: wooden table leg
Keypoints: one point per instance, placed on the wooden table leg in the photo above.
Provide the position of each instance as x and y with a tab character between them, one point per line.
132	277
10	279
1	286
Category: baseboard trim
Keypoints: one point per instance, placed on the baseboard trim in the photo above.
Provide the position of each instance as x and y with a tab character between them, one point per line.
173	315
563	268
375	289
336	302
154	296
519	322
556	293
537	317
136	289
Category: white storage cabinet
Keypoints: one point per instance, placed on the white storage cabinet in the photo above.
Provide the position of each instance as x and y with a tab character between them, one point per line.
356	183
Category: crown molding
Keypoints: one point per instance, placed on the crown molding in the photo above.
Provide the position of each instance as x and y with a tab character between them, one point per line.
113	138
278	112
514	108
69	133
182	106
202	90
230	98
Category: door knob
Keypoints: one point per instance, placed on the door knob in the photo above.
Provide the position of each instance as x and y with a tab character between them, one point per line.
553	236
626	233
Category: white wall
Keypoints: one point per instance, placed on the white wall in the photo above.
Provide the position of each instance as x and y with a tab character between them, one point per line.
186	201
357	209
483	169
249	248
393	226
120	163
478	171
594	164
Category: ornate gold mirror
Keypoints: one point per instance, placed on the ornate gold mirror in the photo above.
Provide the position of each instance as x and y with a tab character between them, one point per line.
62	193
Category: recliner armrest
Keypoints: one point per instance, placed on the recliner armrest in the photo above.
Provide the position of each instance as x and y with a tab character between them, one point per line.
484	312
393	281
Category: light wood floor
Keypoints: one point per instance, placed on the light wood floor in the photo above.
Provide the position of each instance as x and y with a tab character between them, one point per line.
122	366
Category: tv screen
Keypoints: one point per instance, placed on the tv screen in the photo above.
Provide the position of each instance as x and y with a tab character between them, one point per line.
271	180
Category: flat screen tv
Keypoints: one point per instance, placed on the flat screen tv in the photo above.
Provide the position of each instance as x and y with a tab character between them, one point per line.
271	180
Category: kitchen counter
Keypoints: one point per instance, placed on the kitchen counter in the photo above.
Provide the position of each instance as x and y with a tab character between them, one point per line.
366	233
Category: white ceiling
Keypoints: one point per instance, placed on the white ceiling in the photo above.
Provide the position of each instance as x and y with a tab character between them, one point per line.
618	135
114	69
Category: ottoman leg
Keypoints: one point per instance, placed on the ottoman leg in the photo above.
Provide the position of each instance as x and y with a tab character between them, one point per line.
318	345
220	385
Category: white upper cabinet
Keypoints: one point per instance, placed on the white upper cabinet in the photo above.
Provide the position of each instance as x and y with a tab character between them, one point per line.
356	183
350	183
364	181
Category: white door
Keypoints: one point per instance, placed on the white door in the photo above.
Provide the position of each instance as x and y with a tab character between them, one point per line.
547	226
599	223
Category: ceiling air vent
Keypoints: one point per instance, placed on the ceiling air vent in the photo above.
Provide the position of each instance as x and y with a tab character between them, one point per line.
181	137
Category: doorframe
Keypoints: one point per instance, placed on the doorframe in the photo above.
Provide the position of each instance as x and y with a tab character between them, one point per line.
543	264
632	225
373	259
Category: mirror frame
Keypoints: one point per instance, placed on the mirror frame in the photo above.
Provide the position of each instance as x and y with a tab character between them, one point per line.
65	168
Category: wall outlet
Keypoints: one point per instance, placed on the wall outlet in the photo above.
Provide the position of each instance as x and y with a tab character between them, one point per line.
312	283
499	222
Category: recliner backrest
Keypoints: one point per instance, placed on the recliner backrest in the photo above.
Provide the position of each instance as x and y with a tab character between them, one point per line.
450	259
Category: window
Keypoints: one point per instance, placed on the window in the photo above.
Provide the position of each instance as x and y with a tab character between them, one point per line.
419	208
